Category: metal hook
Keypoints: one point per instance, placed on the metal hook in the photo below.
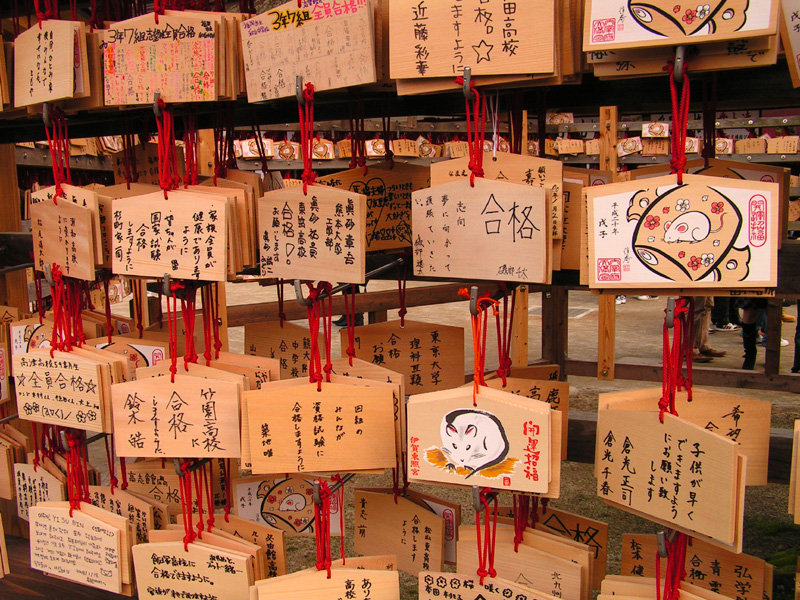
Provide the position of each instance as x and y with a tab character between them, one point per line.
662	541
680	64
303	301
318	499
156	107
298	90
9	418
670	318
165	289
476	498
298	289
473	301
46	114
48	275
468	94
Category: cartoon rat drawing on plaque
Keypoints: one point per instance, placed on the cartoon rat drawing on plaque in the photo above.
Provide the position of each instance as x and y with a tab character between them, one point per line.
473	440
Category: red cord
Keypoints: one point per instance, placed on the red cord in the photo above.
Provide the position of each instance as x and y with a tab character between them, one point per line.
190	147
123	469
43	15
522	508
315	368
228	493
216	320
476	127
675	572
402	280
322	533
350	314
208	318
172	317
112	469
680	120
504	341
327	330
109	327
281	314
674	355
340	504
306	114
167	163
486	547
186	505
198	488
208	482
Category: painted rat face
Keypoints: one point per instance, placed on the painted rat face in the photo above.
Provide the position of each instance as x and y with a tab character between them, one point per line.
688	233
674	17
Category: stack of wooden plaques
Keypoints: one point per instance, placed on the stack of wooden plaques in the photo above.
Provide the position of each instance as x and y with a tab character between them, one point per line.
794	479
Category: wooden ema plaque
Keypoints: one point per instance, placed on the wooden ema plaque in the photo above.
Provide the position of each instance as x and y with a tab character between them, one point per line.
388	191
119	502
80	548
738	418
430	357
63	235
583	530
330	47
177	58
34	486
515	168
528	567
790	37
184	236
340	428
150	479
708	567
64	390
4	566
695	484
188	417
319	236
433	585
282	503
290	345
362	584
87	199
502	443
414	534
613	24
204	571
449	511
270	541
494	230
140	353
434	39
709	232
50	63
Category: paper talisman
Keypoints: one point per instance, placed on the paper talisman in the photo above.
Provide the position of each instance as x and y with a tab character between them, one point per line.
340	428
35	486
414	534
449	511
738	418
45	62
87	199
430	357
319	236
494	230
388	191
709	232
433	586
290	345
528	567
204	571
80	548
555	393
361	584
138	512
271	542
433	39
176	57
64	390
361	369
515	168
329	48
184	236
578	528
502	443
695	483
140	353
63	234
612	24
189	417
709	567
282	503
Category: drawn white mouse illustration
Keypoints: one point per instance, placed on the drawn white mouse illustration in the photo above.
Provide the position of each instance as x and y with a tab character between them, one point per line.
473	440
692	227
296	502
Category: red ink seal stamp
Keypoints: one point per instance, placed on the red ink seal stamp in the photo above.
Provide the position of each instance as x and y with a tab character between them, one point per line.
757	228
609	269
603	30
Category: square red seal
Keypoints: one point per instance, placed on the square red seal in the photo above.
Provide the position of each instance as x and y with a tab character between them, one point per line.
603	30
609	269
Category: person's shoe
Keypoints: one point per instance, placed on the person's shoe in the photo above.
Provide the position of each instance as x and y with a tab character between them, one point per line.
726	327
787	318
795	369
699	358
341	321
621	300
645	297
711	352
784	343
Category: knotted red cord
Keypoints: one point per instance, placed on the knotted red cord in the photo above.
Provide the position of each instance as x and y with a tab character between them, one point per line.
402	280
350	315
208	318
522	508
112	467
397	489
675	572
172	324
306	114
476	128
35	432
504	339
680	119
327	329
185	484
158	8
281	313
167	165
96	20
340	508
139	298
208	481
189	312
322	533
487	546
386	121
77	471
479	339
198	488
58	142
314	361
47	13
674	354
58	293
190	147
123	470
226	477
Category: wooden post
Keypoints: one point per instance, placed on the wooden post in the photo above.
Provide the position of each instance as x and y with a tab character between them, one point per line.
772	363
205	152
606	306
378	316
554	328
519	329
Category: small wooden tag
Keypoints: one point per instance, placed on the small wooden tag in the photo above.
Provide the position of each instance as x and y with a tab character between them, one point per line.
433	586
290	345
35	486
44	63
63	234
268	539
138	512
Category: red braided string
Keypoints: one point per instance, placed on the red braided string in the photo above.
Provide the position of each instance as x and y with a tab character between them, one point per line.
123	469
112	470
37	283
96	20
106	290
306	114
476	127
188	311
226	465
186	505
340	505
673	355
322	533
138	308
314	361
167	163
327	329
198	487
522	508
487	546
172	317
158	8
58	293
675	572
35	430
58	142
208	318
402	280
680	119
190	147
350	314
216	320
43	15
208	481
